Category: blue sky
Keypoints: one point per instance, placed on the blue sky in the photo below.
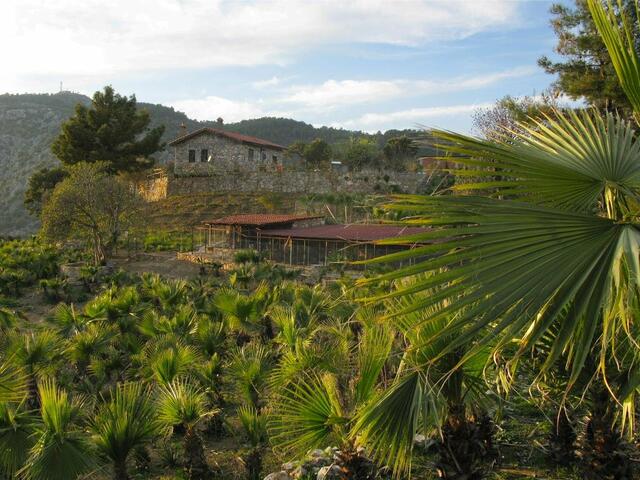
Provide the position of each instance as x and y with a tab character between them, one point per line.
367	65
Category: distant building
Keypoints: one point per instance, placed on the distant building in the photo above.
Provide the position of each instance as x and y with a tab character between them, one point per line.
208	150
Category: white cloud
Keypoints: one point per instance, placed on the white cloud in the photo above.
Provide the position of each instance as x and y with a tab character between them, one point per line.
334	93
344	92
410	118
271	82
210	108
93	37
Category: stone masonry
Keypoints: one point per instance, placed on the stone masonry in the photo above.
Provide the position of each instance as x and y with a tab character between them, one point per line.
288	181
209	151
214	161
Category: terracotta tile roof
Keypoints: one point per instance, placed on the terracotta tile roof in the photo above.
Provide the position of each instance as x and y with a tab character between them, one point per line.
351	233
260	219
232	135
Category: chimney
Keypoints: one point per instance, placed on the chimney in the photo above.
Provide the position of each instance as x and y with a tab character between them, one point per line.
183	130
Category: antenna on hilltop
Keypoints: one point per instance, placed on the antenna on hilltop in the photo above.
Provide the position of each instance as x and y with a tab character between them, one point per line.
60	86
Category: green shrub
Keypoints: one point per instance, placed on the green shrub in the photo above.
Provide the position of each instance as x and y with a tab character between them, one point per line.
247	256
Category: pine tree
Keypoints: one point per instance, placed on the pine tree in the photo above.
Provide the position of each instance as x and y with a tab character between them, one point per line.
587	70
111	130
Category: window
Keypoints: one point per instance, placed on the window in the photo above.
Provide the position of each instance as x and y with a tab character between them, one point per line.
251	154
274	159
192	156
204	155
264	156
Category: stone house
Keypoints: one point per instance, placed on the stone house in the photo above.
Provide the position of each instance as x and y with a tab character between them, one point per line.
210	150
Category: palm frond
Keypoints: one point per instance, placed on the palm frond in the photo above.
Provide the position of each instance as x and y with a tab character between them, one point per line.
508	269
567	161
61	451
125	421
13	382
307	414
618	34
181	403
388	424
373	351
16	437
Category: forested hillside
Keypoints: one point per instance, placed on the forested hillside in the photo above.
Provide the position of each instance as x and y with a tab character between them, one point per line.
30	122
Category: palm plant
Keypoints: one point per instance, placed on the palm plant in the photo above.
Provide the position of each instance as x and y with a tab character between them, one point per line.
182	404
16	437
432	392
249	366
13	381
318	408
119	307
255	428
36	353
240	312
183	322
123	423
8	319
291	324
88	344
167	358
167	294
61	450
209	376
211	336
67	320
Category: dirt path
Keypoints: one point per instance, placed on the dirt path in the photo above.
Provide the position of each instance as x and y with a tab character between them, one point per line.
163	263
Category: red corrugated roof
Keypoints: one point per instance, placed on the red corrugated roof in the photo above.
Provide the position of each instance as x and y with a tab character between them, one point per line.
351	233
232	135
259	219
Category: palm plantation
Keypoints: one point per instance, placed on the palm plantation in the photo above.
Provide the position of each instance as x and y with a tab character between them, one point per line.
516	324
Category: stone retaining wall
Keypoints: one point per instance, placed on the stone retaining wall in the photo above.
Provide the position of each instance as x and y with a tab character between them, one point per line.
301	182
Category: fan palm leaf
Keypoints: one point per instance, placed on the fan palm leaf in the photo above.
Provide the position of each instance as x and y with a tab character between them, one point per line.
308	414
510	268
618	34
124	422
13	382
16	429
61	450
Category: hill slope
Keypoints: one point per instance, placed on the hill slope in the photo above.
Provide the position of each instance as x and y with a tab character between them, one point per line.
30	122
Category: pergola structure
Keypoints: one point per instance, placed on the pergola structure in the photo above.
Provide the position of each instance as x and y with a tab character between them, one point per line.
303	240
243	231
324	244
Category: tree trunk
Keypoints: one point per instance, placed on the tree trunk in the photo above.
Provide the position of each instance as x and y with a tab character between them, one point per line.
465	446
120	470
562	440
98	250
603	452
253	464
195	462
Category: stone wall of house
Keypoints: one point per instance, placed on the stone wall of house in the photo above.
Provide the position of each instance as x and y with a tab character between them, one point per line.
287	181
223	154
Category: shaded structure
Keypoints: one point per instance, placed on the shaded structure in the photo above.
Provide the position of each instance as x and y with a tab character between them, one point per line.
304	240
245	231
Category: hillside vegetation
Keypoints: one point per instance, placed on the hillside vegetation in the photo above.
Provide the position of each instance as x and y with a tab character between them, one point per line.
30	122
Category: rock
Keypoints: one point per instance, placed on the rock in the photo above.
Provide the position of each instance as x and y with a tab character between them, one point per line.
316	453
330	472
278	476
300	472
288	467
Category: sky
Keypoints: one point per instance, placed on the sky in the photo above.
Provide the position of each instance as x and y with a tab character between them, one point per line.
363	65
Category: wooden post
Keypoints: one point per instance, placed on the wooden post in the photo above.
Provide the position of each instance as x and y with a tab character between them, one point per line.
291	251
326	251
